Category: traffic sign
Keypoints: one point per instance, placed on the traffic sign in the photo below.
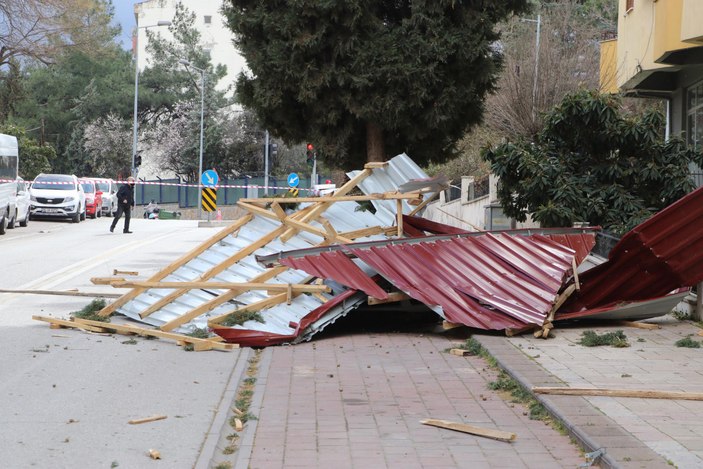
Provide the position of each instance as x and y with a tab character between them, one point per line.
293	180
209	199
209	178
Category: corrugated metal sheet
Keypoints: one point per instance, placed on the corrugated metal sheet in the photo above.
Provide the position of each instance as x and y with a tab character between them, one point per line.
658	256
485	281
281	322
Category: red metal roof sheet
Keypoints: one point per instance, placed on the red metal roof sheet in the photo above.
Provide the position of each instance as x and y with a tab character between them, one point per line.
487	281
657	256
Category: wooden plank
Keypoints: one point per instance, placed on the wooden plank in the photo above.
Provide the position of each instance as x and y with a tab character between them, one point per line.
67	323
173	266
222	266
393	297
334	198
205	285
62	293
399	216
256	306
153	418
320	207
465	428
97	326
278	210
238	425
362	233
218	300
124	272
459	352
376	164
577	284
638	325
446	325
512	332
637	393
106	280
424	204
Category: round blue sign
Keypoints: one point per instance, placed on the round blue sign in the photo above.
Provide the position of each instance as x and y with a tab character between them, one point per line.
293	180
209	178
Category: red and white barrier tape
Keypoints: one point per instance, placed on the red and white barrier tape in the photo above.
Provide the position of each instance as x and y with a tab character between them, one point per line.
157	183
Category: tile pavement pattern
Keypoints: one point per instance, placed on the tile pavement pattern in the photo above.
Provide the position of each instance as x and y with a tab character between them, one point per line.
356	401
636	433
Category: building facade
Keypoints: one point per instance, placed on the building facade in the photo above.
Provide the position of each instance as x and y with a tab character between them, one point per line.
659	53
209	21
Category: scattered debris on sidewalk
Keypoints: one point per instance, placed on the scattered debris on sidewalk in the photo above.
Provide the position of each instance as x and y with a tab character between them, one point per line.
636	393
153	418
464	428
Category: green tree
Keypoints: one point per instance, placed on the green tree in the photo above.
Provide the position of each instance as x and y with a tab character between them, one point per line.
592	163
367	79
34	157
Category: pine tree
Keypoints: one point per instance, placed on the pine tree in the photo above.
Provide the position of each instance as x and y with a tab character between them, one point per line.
367	79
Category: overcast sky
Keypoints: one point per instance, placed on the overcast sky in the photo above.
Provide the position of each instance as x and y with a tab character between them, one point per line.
124	15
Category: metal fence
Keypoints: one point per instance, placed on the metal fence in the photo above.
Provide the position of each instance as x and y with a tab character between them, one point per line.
172	191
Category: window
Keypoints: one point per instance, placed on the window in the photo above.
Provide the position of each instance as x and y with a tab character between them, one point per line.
208	19
694	116
629	5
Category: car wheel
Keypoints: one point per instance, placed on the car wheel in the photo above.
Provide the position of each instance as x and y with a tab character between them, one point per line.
83	214
25	222
3	225
11	222
76	218
99	213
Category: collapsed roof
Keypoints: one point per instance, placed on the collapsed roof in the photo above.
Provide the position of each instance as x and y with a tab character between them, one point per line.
281	274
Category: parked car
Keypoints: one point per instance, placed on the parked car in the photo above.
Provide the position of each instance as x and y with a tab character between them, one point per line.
57	195
109	190
93	198
22	203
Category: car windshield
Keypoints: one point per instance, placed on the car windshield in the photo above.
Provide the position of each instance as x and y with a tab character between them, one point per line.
59	183
103	186
88	187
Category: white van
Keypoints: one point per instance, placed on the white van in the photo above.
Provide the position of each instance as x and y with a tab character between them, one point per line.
9	161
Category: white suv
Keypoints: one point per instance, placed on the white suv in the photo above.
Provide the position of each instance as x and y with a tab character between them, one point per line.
57	195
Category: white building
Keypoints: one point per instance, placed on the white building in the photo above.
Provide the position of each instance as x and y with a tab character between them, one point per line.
215	36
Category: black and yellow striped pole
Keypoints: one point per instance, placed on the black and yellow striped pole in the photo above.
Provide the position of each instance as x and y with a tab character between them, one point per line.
209	199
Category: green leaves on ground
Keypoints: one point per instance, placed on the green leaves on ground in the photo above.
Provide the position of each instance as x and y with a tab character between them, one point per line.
90	311
616	339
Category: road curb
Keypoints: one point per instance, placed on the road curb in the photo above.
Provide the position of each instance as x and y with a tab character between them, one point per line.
215	439
568	409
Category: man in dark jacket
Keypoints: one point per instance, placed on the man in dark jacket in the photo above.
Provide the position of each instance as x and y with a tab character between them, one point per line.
125	202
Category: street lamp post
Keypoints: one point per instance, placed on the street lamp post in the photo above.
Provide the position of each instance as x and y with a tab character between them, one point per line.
136	87
534	80
202	115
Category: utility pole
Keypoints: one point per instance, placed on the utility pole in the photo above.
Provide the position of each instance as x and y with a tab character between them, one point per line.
266	165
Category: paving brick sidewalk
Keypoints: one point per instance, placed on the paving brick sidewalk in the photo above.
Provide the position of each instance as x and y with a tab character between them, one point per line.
637	433
355	401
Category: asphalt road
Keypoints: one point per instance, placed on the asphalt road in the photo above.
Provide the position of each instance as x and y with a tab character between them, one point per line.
66	396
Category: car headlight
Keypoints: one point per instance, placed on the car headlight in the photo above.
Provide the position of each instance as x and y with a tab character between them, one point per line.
70	198
32	198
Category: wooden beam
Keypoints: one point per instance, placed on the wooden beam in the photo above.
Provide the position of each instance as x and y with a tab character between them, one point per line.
124	272
577	284
462	427
63	293
335	198
637	393
376	164
638	325
153	418
424	204
205	285
106	280
512	331
363	232
278	210
222	266
399	216
218	300
393	297
124	328
175	265
446	325
256	306
320	207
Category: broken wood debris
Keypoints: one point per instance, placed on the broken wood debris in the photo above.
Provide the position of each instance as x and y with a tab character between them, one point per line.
638	325
153	418
637	393
124	272
103	327
465	428
459	352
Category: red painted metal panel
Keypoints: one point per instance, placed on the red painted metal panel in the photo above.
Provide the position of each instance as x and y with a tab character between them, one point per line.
657	256
336	266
